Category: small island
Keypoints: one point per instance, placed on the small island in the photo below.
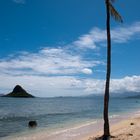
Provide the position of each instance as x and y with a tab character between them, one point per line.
19	92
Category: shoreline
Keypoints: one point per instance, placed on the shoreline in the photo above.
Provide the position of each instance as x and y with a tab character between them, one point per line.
124	130
78	132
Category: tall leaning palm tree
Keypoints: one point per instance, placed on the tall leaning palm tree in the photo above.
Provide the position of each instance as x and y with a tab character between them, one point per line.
110	11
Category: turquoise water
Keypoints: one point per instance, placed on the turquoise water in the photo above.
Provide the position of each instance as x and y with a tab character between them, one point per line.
56	112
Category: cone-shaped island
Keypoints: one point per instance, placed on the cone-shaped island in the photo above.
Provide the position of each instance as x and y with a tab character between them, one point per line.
18	91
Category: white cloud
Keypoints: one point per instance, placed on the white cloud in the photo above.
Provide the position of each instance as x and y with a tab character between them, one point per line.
42	86
51	71
61	61
97	36
19	1
87	71
48	61
126	84
85	41
67	85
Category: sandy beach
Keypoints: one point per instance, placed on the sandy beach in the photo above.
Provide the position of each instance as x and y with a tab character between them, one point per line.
122	128
125	130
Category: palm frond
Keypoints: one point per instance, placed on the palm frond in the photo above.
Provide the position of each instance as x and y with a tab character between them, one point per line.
114	13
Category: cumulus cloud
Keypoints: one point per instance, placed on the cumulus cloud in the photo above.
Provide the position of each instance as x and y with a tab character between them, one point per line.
126	84
43	86
87	71
122	85
67	85
97	36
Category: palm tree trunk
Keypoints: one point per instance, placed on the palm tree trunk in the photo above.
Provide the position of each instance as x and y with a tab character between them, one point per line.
106	96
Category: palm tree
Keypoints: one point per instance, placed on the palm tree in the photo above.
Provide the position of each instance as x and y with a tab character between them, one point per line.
110	10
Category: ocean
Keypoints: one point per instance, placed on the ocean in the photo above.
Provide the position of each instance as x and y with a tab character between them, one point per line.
59	112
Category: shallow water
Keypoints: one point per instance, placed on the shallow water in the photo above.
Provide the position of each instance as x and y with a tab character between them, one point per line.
56	113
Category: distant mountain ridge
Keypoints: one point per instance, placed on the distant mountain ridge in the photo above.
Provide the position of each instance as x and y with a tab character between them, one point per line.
18	91
123	94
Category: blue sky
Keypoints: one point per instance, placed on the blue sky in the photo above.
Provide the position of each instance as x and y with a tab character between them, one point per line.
55	48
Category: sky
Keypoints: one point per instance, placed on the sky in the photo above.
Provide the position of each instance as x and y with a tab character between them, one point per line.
58	48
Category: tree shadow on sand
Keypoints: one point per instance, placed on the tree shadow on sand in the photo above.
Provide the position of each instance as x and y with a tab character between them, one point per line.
101	138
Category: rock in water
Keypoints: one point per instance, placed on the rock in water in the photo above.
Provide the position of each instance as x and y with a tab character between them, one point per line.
32	124
18	91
